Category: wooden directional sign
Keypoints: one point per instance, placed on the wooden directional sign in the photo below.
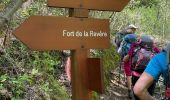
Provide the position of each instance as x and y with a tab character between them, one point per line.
44	33
111	5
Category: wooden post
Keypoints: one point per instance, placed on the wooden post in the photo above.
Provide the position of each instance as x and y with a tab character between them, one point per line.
79	69
79	75
95	75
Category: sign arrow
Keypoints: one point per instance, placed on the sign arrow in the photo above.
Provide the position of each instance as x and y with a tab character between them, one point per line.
42	33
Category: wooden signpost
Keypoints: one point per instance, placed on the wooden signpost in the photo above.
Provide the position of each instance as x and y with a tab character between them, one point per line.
109	5
77	33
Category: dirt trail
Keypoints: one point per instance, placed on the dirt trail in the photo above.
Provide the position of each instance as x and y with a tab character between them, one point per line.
117	89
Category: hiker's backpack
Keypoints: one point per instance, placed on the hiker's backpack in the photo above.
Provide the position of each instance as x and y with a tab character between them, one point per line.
142	54
167	92
126	43
119	38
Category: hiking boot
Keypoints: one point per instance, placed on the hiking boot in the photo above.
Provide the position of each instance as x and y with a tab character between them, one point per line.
130	94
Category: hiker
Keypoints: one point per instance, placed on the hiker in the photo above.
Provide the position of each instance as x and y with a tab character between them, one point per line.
123	50
123	41
120	35
137	59
156	67
68	68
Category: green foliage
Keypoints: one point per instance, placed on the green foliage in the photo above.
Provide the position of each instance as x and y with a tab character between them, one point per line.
18	85
39	7
23	70
152	19
57	89
14	84
5	1
96	96
111	61
144	3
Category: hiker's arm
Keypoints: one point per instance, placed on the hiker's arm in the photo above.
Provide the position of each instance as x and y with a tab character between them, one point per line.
141	86
126	58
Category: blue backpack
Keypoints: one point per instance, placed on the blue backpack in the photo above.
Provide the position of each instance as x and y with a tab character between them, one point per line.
126	43
119	38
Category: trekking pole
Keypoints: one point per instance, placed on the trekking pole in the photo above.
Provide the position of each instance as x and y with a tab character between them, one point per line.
120	65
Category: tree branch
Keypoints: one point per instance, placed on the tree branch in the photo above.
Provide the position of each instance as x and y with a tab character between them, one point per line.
11	8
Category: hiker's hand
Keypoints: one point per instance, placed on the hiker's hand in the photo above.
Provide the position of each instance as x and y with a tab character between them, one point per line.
126	58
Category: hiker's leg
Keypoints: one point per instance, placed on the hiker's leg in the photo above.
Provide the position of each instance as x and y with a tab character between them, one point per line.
129	85
134	80
152	88
127	72
68	68
129	82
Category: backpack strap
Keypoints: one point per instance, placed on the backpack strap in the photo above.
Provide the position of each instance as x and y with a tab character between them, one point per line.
168	63
167	91
168	56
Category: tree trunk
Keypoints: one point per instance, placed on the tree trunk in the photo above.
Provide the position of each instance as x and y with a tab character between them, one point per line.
11	8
